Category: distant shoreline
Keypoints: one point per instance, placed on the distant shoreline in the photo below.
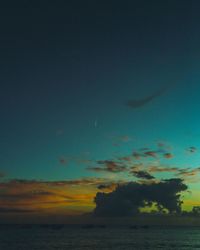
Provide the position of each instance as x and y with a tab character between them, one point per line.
149	220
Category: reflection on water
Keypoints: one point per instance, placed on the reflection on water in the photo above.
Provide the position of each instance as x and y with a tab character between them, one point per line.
76	237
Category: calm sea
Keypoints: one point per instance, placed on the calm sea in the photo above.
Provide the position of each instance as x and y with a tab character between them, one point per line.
77	238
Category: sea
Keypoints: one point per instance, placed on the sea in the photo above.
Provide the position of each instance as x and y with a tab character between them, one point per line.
77	237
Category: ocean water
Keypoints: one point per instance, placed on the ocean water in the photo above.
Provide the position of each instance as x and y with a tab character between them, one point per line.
116	238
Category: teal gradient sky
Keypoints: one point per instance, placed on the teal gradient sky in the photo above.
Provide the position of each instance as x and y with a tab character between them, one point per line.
32	146
68	71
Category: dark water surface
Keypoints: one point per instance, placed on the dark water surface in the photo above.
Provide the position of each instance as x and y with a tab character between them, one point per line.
118	238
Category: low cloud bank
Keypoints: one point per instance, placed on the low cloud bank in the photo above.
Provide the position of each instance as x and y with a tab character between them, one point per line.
127	199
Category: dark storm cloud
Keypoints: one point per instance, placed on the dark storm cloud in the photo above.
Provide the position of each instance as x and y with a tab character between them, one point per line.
127	199
143	175
142	102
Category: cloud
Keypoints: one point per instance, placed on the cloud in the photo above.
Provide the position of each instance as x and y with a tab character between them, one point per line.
145	152
192	149
168	155
81	181
43	196
151	154
161	144
117	169
181	172
137	167
127	199
71	195
160	169
30	195
63	160
138	103
82	159
109	186
108	166
188	172
125	159
137	155
15	210
143	175
125	138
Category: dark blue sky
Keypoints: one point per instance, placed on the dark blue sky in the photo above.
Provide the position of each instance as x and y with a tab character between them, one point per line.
68	69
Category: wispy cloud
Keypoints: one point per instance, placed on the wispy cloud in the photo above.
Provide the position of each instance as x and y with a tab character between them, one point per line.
6	210
188	172
108	166
191	150
151	154
138	103
63	160
168	155
142	175
162	169
19	195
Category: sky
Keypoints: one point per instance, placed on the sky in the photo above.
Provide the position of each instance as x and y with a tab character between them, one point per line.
95	94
